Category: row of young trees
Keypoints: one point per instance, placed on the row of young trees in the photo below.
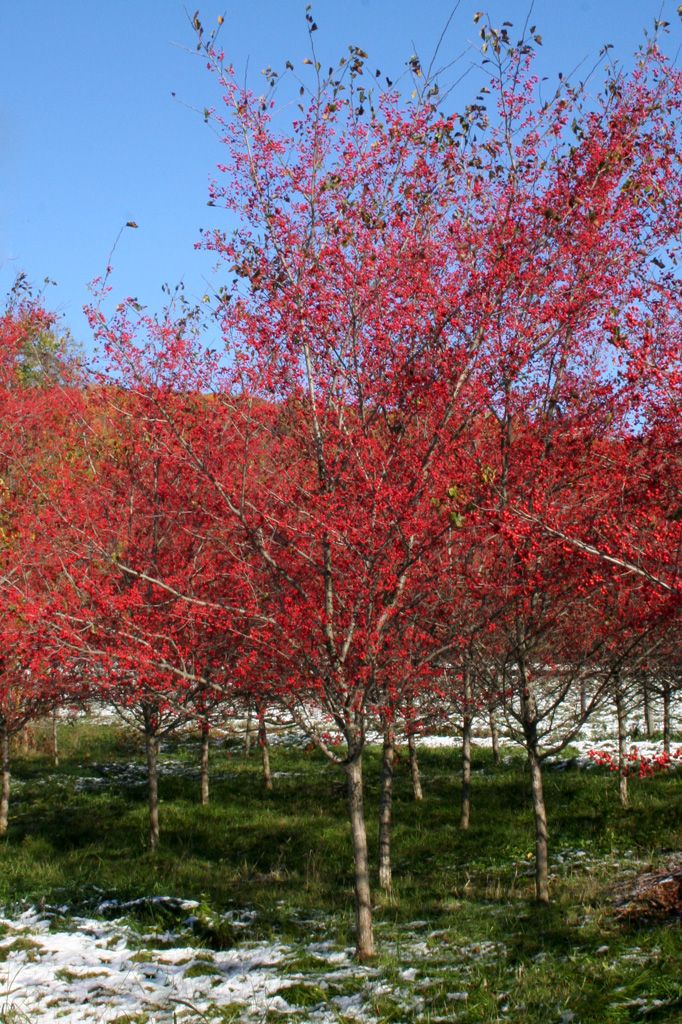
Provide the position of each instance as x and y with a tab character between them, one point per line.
433	465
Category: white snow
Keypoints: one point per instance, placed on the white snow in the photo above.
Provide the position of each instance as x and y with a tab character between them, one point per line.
81	970
93	972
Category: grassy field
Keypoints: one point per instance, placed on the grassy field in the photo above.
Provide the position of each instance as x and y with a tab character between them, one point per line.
459	939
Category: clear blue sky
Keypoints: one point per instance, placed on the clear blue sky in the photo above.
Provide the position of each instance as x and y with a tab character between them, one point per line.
91	135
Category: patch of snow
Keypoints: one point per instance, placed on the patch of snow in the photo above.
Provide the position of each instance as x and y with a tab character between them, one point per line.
93	971
171	902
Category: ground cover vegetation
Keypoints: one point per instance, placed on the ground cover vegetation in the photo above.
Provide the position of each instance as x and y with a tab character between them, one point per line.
266	881
417	464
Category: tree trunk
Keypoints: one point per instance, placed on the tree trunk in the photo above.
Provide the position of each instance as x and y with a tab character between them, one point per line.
264	748
466	754
152	750
247	735
55	740
648	714
667	729
466	773
385	809
583	698
414	766
541	834
495	737
622	750
529	716
363	902
205	733
4	787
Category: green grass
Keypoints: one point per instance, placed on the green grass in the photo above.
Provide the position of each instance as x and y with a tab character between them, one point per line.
286	857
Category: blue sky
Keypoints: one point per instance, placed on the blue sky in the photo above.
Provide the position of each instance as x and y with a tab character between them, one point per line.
91	135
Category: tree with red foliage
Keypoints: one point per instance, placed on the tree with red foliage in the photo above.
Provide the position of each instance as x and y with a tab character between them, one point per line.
136	606
35	367
403	278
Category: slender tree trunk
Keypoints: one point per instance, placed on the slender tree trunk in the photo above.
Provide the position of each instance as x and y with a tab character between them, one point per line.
363	901
495	737
414	766
529	715
247	735
4	786
667	729
648	715
622	750
583	698
55	740
264	748
465	811
205	734
385	809
152	750
541	833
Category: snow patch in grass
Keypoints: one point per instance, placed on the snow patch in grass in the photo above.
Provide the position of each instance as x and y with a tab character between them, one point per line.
94	971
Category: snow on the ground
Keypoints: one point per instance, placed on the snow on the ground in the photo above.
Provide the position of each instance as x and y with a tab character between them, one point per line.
78	970
94	970
599	732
